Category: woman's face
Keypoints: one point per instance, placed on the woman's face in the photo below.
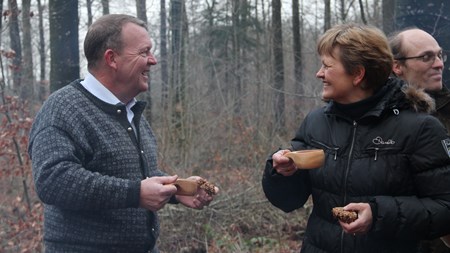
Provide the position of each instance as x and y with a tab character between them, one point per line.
338	85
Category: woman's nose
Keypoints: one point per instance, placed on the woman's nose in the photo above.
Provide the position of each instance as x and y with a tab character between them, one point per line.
319	73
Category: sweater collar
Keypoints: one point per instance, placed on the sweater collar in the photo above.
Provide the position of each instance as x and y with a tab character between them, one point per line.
109	108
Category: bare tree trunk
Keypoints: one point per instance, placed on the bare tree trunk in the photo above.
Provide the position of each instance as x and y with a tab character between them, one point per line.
297	50
226	89
178	82
64	44
164	57
277	38
105	7
1	19
27	92
236	48
16	45
297	46
327	18
89	11
141	11
388	16
257	103
363	16
342	13
210	18
43	85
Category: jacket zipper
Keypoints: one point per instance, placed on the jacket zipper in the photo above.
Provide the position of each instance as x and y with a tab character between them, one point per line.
336	149
355	125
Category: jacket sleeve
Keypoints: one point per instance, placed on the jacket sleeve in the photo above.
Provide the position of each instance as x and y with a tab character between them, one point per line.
427	214
286	193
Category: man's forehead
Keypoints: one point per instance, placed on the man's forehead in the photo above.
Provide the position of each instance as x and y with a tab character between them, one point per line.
418	41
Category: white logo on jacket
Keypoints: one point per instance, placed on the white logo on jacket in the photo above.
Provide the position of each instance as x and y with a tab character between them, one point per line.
446	144
379	141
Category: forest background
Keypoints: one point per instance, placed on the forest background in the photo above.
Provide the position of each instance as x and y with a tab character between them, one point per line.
234	80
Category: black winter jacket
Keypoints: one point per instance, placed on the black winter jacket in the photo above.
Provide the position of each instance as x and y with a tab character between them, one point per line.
393	157
442	112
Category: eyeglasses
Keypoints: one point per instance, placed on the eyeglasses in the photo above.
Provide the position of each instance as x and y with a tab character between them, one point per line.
428	57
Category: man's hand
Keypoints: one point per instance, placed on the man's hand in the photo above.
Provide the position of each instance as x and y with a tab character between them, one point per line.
200	199
156	192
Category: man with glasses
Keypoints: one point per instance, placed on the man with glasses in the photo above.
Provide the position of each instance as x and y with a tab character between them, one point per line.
419	60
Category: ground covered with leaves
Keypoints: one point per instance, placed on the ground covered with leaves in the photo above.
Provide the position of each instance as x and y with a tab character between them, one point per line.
239	220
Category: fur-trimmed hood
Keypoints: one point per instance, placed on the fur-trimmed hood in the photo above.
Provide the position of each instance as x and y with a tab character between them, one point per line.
404	96
419	100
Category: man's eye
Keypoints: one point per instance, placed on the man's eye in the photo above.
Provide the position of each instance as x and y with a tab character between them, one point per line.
144	53
427	57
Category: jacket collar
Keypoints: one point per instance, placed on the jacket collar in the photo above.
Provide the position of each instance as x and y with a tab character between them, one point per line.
398	96
441	97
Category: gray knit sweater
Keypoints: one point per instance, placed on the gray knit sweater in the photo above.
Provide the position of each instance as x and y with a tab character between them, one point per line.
87	167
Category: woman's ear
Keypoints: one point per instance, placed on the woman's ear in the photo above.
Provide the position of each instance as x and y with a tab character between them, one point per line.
110	58
358	75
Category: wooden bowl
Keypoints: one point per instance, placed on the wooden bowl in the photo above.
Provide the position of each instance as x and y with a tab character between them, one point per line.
186	187
307	159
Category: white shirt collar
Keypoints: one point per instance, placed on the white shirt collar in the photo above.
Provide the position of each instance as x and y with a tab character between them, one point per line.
97	89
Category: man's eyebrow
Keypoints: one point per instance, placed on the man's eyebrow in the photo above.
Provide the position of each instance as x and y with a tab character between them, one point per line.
431	51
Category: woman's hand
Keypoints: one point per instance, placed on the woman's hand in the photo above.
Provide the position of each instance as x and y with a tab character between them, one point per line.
361	225
282	164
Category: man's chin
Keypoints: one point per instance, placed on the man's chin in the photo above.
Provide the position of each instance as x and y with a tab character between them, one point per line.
434	86
144	86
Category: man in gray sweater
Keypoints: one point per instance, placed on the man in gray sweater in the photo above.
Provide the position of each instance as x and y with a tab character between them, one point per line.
94	156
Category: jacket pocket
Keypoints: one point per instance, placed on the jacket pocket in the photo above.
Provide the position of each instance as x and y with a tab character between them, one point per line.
376	152
328	149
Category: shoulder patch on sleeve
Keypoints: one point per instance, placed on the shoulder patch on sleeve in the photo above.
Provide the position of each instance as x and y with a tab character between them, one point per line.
446	144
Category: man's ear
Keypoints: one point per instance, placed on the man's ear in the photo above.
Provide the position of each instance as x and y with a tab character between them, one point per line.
358	75
110	58
397	68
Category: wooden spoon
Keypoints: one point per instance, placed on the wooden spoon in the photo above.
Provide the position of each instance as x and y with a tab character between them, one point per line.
186	187
307	159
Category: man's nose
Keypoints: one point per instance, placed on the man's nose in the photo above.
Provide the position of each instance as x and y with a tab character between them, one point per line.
440	60
152	59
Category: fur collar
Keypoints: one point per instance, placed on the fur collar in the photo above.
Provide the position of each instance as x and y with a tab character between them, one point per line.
418	99
406	97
